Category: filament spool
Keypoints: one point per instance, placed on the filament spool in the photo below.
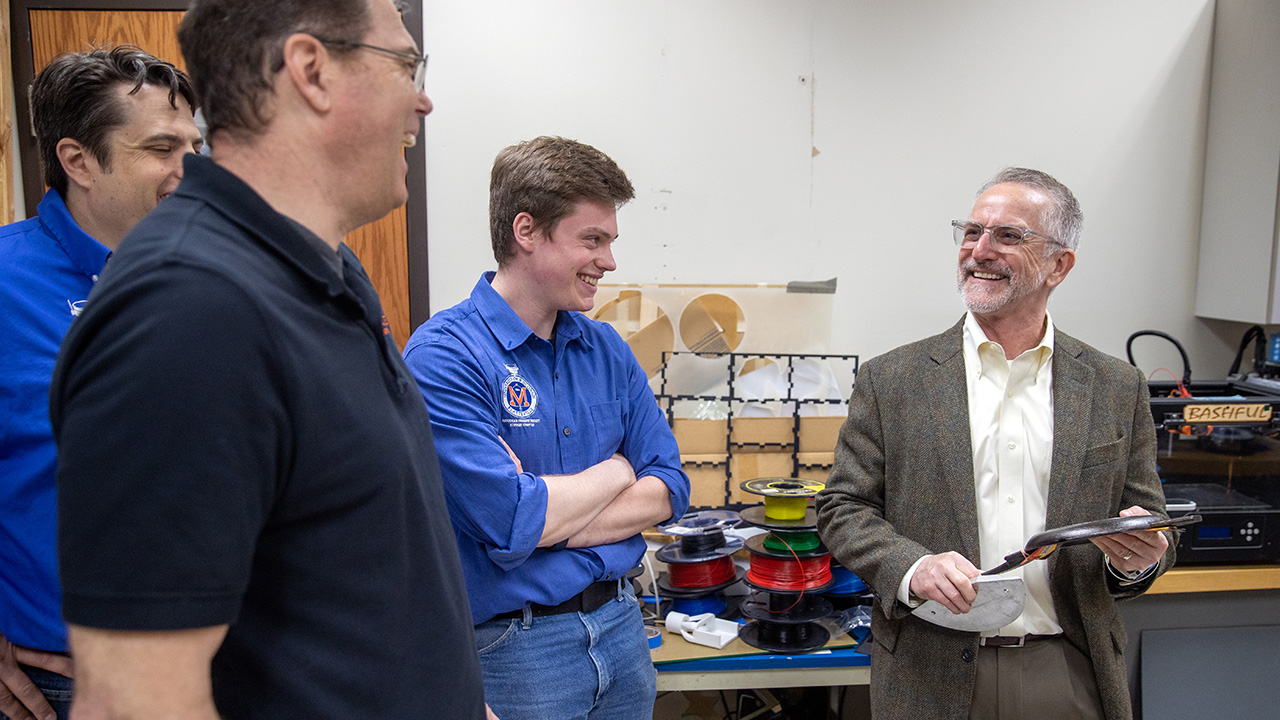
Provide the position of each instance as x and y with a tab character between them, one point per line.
717	572
790	575
777	627
757	516
782	638
844	582
760	545
785	508
786	542
786	500
701	538
699	563
788	572
782	487
713	604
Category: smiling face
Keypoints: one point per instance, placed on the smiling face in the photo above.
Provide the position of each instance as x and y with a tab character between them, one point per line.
144	161
1012	282
568	260
378	115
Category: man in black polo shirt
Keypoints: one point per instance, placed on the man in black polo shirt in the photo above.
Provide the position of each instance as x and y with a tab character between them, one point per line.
252	523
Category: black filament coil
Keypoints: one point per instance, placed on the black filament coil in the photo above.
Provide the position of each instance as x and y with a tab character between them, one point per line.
702	543
785	634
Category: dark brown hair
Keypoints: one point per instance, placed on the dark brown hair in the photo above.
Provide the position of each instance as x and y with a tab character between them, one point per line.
546	177
234	47
75	96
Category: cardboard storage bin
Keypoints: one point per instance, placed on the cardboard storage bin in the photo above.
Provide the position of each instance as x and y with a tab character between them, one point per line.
700	437
815	466
764	432
706	479
819	434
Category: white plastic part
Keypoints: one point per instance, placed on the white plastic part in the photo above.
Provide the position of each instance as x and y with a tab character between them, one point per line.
705	629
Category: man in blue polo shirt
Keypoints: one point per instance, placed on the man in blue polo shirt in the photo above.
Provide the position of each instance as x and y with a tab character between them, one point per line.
112	127
554	452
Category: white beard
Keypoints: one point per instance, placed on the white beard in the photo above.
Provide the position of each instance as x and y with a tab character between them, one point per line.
981	303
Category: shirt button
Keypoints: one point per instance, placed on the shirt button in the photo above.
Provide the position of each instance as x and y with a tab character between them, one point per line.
966	655
566	432
1013	446
1011	500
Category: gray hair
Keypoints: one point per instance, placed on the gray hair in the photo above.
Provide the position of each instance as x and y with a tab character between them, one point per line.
1064	219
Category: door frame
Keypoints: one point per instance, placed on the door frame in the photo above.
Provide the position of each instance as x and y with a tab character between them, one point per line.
33	184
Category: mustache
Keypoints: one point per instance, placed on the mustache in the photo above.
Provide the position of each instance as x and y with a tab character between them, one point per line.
971	266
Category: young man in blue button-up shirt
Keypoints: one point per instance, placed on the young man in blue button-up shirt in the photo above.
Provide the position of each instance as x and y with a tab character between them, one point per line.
554	452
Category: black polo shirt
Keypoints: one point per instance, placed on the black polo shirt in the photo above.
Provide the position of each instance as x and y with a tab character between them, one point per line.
240	443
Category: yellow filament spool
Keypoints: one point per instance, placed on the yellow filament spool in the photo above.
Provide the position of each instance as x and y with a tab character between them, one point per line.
785	508
784	498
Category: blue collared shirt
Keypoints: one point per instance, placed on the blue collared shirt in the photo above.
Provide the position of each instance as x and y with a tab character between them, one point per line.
562	406
48	265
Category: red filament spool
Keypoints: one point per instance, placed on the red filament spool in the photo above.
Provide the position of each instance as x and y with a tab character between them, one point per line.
701	574
790	574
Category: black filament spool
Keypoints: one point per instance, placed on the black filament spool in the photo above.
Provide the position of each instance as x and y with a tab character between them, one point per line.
784	638
783	609
702	543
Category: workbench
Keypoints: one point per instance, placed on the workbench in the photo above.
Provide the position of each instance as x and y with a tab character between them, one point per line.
741	667
1184	596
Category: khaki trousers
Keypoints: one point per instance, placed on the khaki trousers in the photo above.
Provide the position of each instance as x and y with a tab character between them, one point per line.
1041	680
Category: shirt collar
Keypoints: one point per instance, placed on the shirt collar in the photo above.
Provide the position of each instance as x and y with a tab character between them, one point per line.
210	183
87	254
507	326
975	338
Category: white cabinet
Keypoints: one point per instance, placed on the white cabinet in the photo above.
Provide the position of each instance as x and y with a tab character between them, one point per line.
1239	271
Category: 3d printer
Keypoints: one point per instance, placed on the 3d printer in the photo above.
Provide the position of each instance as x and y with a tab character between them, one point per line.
1218	454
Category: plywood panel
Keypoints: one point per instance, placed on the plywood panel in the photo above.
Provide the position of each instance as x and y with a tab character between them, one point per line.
58	31
381	246
382	250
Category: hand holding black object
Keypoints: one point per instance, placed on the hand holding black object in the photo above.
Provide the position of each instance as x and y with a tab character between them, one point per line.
1044	544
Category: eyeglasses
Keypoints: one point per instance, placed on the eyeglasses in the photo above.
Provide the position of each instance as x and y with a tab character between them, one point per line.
1005	237
419	62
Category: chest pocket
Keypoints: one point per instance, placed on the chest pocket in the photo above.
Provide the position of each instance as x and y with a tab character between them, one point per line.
606	423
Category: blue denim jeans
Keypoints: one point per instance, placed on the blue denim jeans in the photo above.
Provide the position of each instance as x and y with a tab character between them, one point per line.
56	689
574	666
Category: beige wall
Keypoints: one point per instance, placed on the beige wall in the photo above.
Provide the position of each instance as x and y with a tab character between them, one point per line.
774	141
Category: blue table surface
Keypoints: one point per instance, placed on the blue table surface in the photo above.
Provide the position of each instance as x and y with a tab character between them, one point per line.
839	657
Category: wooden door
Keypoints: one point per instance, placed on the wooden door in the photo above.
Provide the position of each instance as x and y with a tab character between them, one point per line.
6	127
381	246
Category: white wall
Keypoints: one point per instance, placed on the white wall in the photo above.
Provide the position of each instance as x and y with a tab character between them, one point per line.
772	141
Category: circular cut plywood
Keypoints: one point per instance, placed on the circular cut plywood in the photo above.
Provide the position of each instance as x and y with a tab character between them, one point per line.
643	324
712	325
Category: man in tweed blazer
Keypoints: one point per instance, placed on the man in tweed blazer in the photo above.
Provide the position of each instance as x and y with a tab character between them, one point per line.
961	446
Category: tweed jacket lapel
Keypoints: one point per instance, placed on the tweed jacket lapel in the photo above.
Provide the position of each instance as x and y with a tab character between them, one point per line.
1072	400
949	417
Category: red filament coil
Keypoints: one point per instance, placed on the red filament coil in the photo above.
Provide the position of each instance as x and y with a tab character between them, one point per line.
791	573
701	574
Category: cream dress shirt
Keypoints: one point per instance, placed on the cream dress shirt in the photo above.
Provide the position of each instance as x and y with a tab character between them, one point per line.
1011	427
